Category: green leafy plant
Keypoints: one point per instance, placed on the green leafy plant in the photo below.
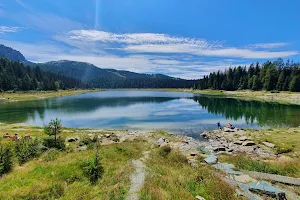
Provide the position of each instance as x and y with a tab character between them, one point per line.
27	149
93	169
6	159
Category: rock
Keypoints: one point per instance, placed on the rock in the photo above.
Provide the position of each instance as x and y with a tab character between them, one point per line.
228	130
238	142
72	139
107	135
229	150
269	144
160	141
228	168
204	134
163	144
219	148
82	148
263	187
193	154
243	138
199	198
239	192
244	178
211	160
106	142
248	143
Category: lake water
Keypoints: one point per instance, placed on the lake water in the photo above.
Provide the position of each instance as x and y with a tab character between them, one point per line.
178	112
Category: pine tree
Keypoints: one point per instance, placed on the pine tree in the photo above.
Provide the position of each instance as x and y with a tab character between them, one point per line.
295	84
281	81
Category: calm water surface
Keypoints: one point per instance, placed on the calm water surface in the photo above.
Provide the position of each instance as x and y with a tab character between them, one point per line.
179	112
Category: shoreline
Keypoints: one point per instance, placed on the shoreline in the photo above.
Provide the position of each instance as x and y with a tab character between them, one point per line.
37	95
283	97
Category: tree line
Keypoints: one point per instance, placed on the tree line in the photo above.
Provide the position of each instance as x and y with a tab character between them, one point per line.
15	76
268	76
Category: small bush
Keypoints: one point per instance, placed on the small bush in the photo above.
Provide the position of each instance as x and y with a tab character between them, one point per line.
164	151
59	143
51	155
93	169
6	159
27	149
85	140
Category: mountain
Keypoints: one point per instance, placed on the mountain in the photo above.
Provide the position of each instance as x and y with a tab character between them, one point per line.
98	77
13	55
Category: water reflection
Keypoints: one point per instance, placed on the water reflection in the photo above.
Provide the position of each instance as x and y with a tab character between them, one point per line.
177	112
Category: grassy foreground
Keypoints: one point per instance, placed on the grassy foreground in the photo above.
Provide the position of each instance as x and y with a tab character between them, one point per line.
59	175
35	95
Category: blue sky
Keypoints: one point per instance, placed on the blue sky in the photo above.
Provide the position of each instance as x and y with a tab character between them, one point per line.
186	39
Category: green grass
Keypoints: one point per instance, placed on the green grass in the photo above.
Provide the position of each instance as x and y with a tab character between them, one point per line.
62	177
170	177
286	168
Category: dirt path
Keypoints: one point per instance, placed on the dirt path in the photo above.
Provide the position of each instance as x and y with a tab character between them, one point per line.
138	177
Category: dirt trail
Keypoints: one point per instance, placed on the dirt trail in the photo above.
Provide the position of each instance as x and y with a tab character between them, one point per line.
138	177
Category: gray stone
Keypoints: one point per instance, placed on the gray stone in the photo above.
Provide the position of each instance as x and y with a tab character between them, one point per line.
268	144
229	150
107	135
248	143
211	160
72	139
219	148
243	138
238	142
263	187
228	168
244	178
82	148
200	198
160	141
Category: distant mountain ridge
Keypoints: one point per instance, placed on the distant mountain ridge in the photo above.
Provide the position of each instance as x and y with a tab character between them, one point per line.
99	77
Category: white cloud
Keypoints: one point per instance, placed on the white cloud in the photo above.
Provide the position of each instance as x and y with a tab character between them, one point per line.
267	45
136	38
166	44
9	29
196	50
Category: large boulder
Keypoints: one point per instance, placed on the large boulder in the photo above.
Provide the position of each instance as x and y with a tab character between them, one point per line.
71	139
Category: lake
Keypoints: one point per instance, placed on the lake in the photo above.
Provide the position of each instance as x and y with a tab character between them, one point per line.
178	112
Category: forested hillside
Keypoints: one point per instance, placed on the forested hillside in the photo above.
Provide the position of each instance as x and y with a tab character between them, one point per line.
15	76
110	78
268	76
95	77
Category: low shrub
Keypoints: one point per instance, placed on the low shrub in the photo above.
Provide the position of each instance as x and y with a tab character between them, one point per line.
59	143
85	140
93	169
6	159
164	151
27	149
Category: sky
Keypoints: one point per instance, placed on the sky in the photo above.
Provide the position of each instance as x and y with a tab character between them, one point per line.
186	39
